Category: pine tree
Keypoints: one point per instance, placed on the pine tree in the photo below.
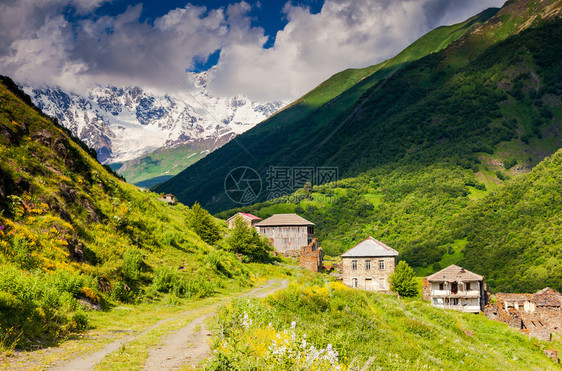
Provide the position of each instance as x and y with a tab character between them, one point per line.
245	240
402	280
203	224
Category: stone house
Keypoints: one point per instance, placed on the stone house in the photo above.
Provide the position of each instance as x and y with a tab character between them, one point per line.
169	198
538	314
287	232
368	265
455	288
249	219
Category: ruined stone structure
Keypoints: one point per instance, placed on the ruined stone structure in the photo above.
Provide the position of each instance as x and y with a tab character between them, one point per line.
287	232
249	219
455	288
538	315
311	257
368	265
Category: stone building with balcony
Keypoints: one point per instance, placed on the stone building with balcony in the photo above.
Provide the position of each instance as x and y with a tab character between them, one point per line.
456	288
368	265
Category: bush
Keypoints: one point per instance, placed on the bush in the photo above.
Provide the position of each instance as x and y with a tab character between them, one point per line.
402	280
248	242
501	176
39	306
169	280
509	163
132	264
203	224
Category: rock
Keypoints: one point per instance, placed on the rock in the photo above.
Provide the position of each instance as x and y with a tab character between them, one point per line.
42	136
552	354
75	250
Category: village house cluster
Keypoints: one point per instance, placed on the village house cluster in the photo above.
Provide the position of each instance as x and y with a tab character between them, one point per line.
369	265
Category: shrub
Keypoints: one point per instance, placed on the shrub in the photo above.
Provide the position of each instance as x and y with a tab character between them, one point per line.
501	176
248	242
39	306
132	264
402	280
203	224
509	163
169	280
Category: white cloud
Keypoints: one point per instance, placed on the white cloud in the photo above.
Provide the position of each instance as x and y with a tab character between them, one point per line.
345	34
39	46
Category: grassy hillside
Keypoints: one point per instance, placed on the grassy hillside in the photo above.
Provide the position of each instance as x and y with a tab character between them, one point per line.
330	326
444	132
296	127
160	165
73	236
515	234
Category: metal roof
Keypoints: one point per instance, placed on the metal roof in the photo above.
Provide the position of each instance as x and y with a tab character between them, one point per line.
284	219
246	215
454	273
369	248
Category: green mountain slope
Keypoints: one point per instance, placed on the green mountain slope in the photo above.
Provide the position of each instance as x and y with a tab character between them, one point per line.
71	231
443	132
271	142
160	165
515	235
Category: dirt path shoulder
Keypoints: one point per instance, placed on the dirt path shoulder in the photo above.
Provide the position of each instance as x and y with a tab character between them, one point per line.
186	347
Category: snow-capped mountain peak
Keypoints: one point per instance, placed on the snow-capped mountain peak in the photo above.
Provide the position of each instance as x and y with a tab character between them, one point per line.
123	123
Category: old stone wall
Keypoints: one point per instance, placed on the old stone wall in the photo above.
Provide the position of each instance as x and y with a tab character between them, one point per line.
426	290
311	259
310	256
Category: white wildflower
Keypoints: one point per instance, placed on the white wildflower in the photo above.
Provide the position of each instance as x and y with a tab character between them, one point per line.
247	321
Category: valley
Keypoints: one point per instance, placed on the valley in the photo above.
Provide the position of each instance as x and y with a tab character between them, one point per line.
141	230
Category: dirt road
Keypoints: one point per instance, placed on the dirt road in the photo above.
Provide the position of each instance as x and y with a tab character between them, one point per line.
186	347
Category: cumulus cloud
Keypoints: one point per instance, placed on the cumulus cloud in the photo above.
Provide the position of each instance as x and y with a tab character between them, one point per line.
312	47
39	46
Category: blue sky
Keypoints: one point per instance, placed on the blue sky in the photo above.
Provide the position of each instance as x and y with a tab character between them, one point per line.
263	49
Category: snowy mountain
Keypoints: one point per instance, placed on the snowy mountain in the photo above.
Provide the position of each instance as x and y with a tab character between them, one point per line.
124	123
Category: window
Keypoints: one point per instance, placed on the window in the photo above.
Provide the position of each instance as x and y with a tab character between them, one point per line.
354	266
381	264
367	265
354	282
441	286
454	301
454	288
468	286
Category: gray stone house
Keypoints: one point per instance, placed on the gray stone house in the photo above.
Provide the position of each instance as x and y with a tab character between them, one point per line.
455	288
169	198
368	265
287	231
